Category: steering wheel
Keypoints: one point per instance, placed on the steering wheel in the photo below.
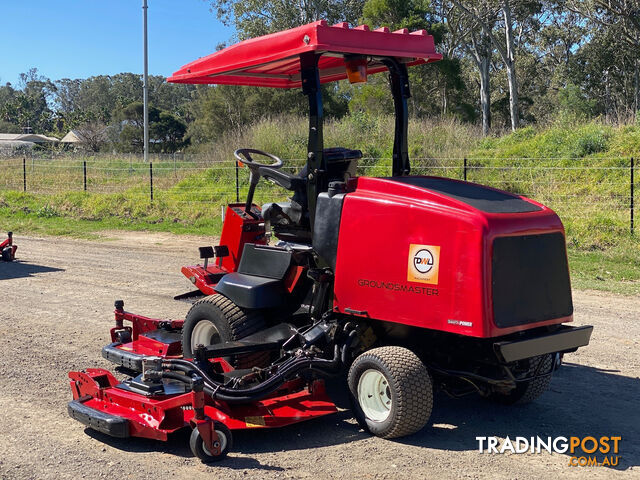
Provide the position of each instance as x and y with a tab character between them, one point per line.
243	155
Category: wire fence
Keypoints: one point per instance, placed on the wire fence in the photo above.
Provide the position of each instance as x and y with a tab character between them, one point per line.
594	193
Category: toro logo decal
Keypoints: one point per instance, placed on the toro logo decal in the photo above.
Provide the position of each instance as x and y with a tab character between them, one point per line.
424	263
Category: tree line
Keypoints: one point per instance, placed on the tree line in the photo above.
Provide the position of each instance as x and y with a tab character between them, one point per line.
507	63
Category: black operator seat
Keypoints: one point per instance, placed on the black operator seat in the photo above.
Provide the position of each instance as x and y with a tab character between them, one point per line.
290	220
258	283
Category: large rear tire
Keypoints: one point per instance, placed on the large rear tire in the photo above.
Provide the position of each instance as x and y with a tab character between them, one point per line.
391	392
530	390
216	319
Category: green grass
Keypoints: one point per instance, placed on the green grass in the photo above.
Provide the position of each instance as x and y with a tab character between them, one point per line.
545	164
615	270
33	223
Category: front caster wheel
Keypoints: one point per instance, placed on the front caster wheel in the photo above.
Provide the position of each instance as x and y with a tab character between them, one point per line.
391	392
201	451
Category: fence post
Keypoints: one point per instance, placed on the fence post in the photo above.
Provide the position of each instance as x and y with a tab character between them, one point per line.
24	173
631	197
464	170
84	172
151	180
237	183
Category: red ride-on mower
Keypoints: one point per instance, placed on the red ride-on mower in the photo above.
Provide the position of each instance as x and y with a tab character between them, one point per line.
8	249
408	283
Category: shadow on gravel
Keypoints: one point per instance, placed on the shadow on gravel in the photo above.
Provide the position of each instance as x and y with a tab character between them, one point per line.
582	401
302	436
178	443
18	269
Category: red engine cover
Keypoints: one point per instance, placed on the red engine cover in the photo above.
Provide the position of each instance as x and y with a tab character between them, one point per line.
418	251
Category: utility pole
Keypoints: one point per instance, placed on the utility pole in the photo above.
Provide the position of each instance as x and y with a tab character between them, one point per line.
145	86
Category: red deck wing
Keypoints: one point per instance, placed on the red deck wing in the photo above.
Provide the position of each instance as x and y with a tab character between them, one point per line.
272	60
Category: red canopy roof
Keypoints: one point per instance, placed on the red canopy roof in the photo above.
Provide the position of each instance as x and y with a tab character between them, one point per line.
273	60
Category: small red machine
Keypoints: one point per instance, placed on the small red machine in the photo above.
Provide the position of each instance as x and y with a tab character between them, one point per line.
393	286
8	249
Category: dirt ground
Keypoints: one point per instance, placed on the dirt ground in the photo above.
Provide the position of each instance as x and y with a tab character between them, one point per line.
55	313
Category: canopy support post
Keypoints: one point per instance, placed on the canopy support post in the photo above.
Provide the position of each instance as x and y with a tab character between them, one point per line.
400	90
316	165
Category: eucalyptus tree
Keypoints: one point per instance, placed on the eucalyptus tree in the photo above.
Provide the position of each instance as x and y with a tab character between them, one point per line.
620	19
253	18
511	17
432	85
471	25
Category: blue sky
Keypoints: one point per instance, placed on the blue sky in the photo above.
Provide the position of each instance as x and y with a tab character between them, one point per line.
81	38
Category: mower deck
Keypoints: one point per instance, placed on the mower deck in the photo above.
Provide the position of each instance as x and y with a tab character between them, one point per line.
154	404
154	343
145	337
123	409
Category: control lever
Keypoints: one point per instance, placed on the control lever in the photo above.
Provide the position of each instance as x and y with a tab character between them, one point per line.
206	253
221	251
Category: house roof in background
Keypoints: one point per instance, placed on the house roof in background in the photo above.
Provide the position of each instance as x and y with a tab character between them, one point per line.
71	137
27	137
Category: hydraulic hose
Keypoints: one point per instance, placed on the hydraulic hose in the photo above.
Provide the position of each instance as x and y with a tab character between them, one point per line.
274	382
176	376
230	395
347	346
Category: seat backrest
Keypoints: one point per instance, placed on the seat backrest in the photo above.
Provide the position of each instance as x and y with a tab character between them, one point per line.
265	261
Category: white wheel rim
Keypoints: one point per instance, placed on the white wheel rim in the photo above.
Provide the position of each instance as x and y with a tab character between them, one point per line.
374	395
223	443
204	333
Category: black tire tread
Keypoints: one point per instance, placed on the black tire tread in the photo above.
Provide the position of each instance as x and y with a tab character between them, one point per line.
527	392
413	386
242	324
539	385
6	254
